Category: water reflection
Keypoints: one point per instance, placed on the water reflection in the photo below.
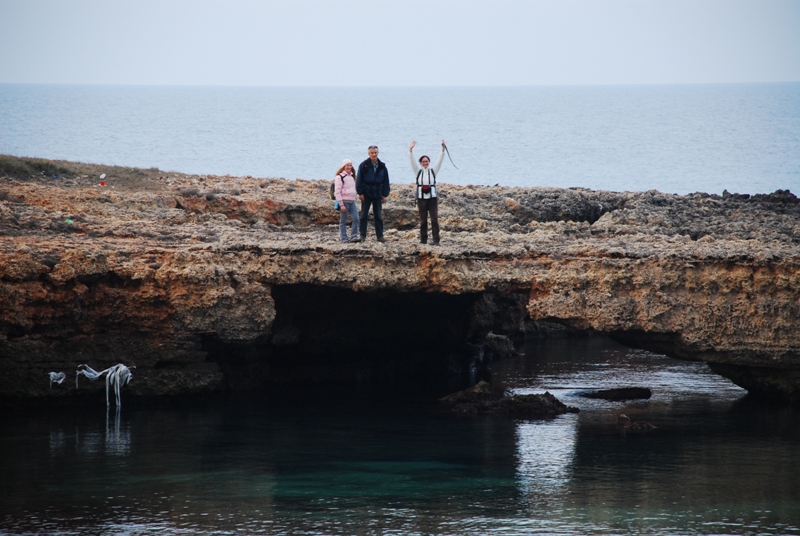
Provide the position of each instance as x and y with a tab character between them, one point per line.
114	439
118	434
545	454
57	441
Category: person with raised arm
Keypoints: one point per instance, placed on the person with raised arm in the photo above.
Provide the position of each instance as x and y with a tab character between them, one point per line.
427	196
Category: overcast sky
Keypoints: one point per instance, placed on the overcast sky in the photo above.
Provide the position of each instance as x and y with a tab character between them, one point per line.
392	43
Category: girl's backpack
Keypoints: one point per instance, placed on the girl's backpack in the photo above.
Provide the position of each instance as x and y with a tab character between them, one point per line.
332	189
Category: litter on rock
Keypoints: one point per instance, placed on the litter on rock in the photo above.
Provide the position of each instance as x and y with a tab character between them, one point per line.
57	378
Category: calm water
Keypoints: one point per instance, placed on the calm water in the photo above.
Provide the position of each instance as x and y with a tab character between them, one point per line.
677	139
716	464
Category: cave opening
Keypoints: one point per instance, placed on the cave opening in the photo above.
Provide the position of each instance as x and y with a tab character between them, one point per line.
328	339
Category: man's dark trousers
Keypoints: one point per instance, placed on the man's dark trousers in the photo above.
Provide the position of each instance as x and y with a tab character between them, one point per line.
377	209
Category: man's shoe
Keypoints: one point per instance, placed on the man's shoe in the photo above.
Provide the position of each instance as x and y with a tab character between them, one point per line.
355	240
381	239
435	243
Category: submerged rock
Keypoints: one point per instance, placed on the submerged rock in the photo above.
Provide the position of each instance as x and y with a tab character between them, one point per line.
625	424
620	393
482	398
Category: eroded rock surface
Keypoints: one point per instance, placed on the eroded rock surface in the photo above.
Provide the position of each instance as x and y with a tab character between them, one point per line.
192	279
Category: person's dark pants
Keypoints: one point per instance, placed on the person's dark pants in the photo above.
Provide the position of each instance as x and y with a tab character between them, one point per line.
426	206
377	211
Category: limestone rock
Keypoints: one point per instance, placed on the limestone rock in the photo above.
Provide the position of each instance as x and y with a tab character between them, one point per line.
171	272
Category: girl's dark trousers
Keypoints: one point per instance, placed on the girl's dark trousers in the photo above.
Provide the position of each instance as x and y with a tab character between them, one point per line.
426	206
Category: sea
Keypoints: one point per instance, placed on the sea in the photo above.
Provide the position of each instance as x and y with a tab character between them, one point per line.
716	463
744	138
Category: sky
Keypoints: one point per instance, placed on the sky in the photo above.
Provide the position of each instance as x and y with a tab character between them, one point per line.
391	43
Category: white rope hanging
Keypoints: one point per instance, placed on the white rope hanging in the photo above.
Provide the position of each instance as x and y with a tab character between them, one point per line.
116	376
57	378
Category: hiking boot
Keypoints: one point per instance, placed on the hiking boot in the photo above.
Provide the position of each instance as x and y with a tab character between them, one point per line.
355	240
381	239
435	243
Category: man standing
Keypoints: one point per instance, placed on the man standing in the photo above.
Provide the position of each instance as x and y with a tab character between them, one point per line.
372	187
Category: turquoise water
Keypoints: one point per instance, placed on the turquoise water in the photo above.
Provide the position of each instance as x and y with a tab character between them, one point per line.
677	139
716	464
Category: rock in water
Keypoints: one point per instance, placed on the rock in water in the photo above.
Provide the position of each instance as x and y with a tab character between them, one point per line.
625	424
482	398
620	393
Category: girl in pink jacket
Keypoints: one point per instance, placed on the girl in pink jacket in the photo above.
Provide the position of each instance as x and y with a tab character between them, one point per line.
345	194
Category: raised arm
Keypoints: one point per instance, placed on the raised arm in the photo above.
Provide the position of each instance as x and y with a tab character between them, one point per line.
439	161
414	166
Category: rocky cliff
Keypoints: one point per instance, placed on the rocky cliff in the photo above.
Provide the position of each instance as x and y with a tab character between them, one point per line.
208	283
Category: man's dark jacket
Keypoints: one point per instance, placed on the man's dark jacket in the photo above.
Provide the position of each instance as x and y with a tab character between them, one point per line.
371	182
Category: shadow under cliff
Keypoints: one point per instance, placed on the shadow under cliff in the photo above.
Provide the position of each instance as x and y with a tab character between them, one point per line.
336	340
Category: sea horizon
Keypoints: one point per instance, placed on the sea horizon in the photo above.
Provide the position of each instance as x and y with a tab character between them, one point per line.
675	138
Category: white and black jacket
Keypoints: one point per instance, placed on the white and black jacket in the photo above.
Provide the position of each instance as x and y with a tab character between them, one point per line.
426	178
